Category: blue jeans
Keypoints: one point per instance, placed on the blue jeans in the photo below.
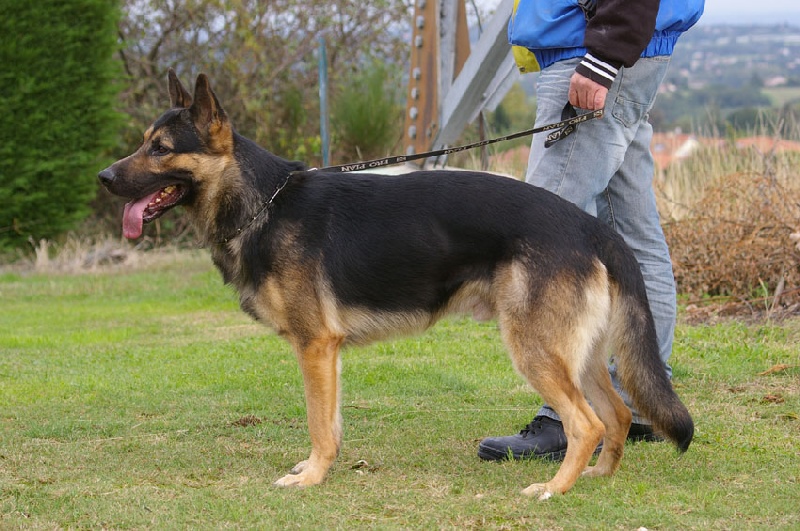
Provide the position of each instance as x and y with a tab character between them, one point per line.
606	168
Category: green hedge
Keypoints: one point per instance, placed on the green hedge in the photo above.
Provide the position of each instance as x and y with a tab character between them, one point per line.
57	94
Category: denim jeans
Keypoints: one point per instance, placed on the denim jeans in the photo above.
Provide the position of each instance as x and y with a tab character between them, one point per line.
606	168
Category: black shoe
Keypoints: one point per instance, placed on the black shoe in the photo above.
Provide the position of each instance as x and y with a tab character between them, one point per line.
543	438
643	432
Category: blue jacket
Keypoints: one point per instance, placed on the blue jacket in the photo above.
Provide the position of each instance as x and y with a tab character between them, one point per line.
617	33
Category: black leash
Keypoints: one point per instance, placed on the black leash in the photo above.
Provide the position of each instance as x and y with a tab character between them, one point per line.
569	122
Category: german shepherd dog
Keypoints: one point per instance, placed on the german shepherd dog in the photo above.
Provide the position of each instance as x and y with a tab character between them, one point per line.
330	259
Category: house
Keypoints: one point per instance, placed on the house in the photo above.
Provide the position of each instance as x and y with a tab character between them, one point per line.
767	144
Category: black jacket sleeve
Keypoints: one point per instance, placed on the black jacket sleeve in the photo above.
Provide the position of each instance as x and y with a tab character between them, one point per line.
616	36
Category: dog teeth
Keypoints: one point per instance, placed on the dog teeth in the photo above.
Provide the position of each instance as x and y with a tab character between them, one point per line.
164	193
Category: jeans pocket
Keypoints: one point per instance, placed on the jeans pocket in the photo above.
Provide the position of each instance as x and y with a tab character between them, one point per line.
637	89
627	112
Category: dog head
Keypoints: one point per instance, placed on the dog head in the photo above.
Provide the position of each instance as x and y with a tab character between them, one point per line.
181	161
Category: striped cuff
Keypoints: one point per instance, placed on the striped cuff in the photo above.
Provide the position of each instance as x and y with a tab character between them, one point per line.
597	70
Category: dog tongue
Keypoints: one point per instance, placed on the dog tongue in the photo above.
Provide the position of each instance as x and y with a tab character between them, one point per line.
133	218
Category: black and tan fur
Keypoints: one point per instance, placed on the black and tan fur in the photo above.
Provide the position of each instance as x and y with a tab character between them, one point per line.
339	259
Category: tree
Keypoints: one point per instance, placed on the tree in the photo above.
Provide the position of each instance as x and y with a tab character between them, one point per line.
260	56
514	113
57	106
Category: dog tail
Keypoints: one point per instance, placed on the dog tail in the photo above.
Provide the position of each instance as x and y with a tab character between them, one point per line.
640	370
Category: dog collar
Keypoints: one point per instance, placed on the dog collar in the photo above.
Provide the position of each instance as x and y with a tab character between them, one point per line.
264	207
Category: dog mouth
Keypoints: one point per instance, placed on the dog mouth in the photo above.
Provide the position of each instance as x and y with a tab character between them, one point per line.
148	208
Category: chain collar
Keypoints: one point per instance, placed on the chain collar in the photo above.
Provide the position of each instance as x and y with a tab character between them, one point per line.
264	207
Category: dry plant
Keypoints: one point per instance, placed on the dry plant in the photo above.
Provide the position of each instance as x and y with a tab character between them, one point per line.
734	229
77	254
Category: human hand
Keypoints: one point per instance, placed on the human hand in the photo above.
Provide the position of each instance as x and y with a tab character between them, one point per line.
585	93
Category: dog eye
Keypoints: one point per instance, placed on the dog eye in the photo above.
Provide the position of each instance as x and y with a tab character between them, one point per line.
159	150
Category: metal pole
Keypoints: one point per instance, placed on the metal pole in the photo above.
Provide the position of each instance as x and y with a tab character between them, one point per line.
323	100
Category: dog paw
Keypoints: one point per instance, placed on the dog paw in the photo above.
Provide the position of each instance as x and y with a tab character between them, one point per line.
592	472
302	475
598	470
299	467
298	480
539	490
289	480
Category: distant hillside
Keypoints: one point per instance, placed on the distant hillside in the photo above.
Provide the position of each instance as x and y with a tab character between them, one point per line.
735	56
725	76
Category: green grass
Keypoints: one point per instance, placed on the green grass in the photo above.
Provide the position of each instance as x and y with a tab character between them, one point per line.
120	396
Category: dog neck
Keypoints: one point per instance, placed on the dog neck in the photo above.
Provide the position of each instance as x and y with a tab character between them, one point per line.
259	178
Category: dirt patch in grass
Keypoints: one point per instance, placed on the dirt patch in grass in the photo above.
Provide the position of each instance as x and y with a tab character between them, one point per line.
246	421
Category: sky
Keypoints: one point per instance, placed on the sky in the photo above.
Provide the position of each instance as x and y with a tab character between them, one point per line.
749	11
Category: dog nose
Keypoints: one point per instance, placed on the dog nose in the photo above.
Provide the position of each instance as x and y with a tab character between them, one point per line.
106	176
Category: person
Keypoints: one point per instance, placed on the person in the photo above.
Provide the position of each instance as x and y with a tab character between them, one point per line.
610	54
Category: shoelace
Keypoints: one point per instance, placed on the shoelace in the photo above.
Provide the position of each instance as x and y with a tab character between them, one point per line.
532	428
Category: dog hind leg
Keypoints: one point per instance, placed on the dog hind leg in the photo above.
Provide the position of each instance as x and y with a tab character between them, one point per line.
320	365
551	334
542	359
581	426
611	409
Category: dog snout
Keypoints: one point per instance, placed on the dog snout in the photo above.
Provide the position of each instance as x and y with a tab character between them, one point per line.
106	177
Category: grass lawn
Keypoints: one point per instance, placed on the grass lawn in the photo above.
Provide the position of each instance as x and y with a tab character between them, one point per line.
146	399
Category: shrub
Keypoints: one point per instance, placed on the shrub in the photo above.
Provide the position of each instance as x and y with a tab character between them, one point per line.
737	238
57	108
366	114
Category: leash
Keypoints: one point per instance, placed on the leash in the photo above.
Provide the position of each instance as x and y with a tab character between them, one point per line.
569	122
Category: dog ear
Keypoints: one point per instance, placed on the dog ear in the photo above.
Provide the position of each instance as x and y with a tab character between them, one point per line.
206	110
209	118
178	96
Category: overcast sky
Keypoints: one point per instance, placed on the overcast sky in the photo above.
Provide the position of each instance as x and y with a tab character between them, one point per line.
740	11
765	5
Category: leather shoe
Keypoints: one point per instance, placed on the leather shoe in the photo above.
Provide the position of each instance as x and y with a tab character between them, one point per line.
544	438
643	432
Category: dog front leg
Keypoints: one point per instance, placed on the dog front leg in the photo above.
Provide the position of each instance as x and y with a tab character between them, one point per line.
319	363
